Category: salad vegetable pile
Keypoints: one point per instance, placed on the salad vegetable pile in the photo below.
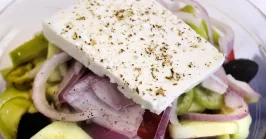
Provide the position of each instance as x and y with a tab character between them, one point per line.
48	94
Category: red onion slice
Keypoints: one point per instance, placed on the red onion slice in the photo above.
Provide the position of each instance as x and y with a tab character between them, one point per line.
82	97
226	42
214	83
39	98
204	15
73	75
221	74
109	94
236	115
243	89
99	132
233	100
162	127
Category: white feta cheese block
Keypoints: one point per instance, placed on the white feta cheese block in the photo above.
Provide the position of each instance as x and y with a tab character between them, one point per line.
152	55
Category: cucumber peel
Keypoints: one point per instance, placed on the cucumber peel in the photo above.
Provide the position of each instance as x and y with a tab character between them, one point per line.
209	99
184	102
196	107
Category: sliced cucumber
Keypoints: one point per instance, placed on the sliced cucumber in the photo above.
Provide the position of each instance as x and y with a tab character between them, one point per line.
61	130
197	129
196	107
226	136
208	98
184	102
243	125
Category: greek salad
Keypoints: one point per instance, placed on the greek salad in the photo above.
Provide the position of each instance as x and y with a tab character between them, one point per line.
127	69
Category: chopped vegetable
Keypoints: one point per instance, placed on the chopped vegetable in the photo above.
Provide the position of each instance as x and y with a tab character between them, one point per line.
237	114
244	89
216	37
12	111
11	93
184	102
51	90
196	129
19	76
4	72
238	68
209	99
61	130
13	104
226	136
4	131
200	30
188	9
196	107
52	50
29	50
243	125
55	75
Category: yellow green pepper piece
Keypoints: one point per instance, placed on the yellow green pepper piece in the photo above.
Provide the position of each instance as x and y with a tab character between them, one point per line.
13	104
55	75
216	37
4	131
200	30
11	93
4	72
12	111
203	29
189	9
29	50
18	77
52	50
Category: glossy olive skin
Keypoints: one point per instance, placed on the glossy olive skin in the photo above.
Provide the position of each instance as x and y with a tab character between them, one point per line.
30	124
242	69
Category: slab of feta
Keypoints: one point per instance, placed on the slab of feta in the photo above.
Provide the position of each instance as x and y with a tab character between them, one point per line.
151	54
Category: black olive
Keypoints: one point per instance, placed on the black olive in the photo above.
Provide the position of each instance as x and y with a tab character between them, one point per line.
30	124
242	69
